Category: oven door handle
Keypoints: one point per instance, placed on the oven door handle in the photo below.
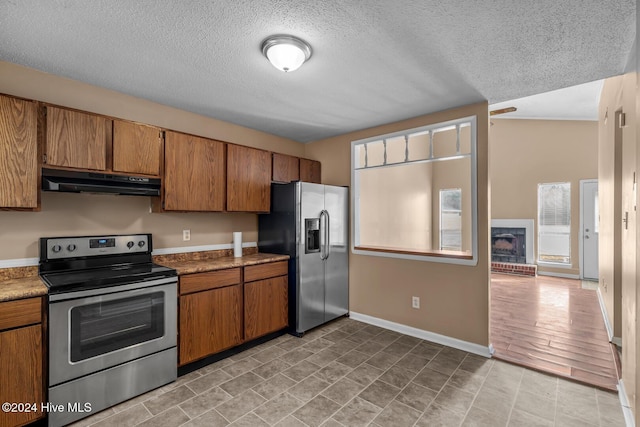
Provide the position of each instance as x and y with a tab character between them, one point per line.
109	290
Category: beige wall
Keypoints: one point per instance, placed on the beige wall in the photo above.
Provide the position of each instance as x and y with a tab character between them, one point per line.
397	201
76	214
621	94
525	153
610	197
454	298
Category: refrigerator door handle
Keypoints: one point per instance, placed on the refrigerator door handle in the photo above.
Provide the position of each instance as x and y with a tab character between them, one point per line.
323	234
327	230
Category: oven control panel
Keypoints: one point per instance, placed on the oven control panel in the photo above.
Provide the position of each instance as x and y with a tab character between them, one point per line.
76	247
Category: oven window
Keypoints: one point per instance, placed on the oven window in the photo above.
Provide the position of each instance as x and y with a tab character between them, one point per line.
107	326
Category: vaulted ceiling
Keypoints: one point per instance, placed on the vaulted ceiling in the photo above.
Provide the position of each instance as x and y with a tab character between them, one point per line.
373	62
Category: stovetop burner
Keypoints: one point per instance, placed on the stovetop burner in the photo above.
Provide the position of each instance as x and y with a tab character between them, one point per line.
79	263
68	281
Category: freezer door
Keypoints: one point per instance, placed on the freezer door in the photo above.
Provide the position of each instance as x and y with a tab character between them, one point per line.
310	274
337	256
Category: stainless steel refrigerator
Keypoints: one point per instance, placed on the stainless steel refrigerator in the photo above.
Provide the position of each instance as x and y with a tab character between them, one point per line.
309	222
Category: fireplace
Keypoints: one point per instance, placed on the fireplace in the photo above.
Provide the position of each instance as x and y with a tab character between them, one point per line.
512	246
508	244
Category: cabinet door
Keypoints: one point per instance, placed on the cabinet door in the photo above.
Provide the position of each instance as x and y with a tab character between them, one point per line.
248	179
136	148
210	322
21	372
266	306
310	171
194	174
18	153
285	168
77	140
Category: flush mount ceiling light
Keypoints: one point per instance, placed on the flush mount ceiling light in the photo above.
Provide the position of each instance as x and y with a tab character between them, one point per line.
286	53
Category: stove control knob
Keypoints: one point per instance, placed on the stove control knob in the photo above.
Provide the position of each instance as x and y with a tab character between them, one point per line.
56	248
130	244
141	243
71	247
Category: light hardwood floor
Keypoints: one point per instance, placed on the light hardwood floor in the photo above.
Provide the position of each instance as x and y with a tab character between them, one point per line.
553	325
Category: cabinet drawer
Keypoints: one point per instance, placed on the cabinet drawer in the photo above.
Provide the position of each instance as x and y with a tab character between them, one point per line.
213	279
20	312
264	271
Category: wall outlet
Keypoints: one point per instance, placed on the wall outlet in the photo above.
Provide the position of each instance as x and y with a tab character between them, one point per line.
415	302
186	235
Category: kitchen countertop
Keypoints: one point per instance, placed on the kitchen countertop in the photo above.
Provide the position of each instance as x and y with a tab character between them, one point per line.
203	265
24	287
13	288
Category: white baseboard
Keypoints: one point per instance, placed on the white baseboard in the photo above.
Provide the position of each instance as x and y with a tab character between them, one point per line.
603	309
626	408
562	275
425	335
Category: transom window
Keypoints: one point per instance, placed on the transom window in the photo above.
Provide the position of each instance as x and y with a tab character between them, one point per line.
414	193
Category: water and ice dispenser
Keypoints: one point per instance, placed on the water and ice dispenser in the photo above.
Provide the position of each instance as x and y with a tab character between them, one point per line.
312	235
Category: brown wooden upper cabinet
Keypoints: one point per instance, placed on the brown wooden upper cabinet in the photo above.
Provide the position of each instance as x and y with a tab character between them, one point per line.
248	179
18	153
285	168
137	148
77	140
310	171
194	173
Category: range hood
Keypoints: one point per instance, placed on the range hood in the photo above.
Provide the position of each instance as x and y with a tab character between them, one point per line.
96	182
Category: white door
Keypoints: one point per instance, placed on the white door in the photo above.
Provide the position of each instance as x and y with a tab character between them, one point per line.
589	233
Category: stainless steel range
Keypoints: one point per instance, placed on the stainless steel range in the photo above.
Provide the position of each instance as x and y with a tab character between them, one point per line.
112	322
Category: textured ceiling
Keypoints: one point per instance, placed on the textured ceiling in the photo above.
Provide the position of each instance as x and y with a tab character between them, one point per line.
373	62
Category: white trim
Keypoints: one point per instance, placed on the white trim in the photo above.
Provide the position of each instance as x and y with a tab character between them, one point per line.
626	408
355	194
18	262
617	341
581	233
528	225
425	335
603	308
184	249
562	275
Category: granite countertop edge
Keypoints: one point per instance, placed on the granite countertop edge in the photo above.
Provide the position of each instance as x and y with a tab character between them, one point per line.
33	286
206	265
23	287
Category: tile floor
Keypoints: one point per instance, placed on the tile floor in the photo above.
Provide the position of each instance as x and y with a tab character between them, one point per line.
348	373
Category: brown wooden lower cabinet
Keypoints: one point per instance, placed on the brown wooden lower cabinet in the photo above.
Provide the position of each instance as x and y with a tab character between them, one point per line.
265	307
218	311
210	321
21	374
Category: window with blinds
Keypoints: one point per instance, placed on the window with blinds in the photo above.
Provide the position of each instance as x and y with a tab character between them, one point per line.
451	219
554	223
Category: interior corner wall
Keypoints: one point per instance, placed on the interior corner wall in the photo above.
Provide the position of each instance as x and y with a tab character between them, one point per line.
621	94
454	298
525	153
609	181
80	214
